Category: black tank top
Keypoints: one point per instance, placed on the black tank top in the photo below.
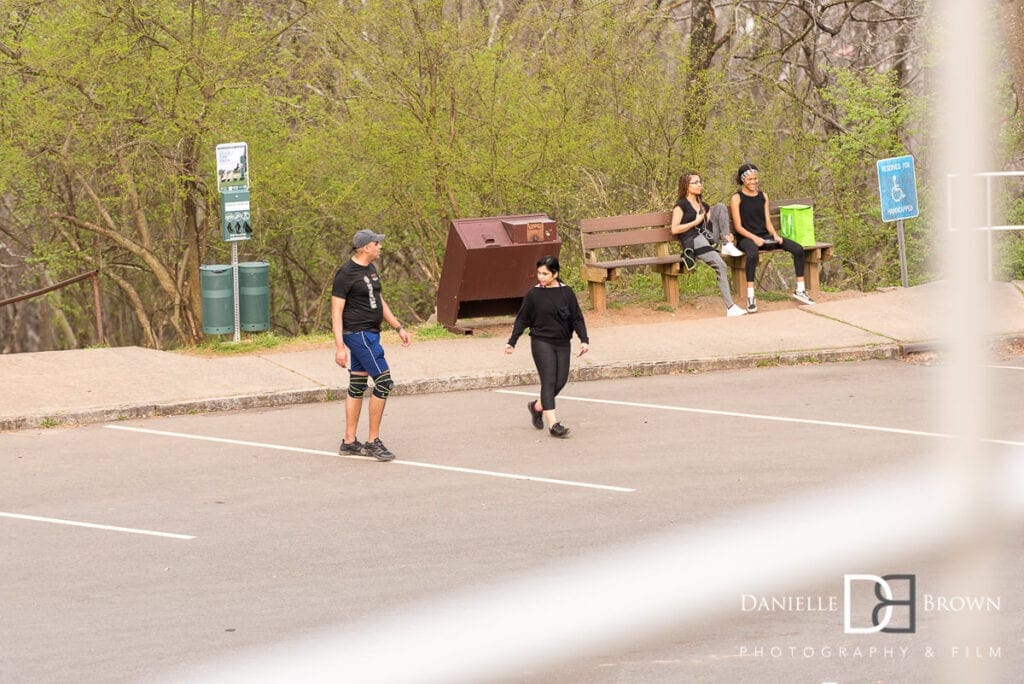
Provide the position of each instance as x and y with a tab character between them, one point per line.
752	214
689	214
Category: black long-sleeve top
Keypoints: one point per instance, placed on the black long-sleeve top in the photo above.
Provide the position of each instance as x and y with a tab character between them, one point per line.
551	313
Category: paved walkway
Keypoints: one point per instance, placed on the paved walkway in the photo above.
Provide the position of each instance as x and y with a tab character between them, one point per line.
92	385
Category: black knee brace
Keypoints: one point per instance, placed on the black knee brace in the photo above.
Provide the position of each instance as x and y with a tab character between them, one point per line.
356	385
382	385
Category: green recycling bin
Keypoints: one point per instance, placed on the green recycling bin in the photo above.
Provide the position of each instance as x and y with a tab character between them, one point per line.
254	296
218	299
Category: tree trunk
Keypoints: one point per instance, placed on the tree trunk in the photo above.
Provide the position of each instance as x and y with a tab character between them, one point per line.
194	231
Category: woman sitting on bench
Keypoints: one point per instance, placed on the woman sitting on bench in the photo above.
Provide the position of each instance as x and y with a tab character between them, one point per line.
752	222
699	228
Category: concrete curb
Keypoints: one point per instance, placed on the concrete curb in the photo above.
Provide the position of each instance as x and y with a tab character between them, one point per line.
172	408
447	384
638	369
937	346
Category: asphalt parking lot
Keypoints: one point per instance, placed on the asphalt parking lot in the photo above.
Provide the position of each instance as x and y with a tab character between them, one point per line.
147	547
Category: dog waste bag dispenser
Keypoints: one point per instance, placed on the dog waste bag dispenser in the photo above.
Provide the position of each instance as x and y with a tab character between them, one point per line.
490	262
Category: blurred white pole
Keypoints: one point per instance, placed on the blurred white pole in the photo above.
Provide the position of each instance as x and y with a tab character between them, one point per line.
988	225
965	133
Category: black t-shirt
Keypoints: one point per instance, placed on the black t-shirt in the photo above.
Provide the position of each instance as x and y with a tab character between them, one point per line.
360	287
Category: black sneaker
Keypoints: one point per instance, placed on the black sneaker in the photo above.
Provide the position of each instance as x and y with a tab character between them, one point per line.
536	416
559	430
355	448
377	450
751	305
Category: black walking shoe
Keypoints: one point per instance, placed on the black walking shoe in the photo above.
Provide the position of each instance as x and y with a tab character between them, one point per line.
377	450
751	305
536	416
355	448
559	430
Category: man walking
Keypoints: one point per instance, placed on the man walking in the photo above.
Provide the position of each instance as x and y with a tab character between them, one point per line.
357	309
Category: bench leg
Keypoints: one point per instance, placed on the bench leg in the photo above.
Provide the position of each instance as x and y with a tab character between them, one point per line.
738	275
670	284
598	297
812	276
813	279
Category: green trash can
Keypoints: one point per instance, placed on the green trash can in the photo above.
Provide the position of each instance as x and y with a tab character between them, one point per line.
254	295
218	299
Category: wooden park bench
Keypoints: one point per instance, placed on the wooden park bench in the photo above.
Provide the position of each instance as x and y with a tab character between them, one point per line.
651	232
814	256
646	232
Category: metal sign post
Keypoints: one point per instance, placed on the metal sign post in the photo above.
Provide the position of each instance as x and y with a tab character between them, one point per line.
235	211
234	289
897	190
902	254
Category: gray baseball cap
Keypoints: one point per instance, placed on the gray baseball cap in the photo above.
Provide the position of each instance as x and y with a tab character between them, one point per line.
365	237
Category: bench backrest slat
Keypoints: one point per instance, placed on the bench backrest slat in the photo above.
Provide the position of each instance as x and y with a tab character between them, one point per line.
657	218
627	238
625	231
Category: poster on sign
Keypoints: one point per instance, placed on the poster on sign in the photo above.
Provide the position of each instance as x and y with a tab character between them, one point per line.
232	166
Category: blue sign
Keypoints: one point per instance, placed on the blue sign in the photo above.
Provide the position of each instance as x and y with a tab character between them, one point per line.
897	187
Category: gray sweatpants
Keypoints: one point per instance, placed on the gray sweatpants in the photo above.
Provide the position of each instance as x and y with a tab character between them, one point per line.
720	224
714	260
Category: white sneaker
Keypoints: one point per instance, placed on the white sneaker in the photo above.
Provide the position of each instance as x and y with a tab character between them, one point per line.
729	249
735	311
802	297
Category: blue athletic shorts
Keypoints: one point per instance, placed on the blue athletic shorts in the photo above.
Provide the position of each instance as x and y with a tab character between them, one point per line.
366	354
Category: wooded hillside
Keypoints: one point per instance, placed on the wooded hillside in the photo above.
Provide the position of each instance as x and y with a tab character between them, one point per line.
401	115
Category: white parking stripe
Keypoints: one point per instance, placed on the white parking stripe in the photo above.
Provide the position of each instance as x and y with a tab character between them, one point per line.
1007	367
758	416
110	528
415	464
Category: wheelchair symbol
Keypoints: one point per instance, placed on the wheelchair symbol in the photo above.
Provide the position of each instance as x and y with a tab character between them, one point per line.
897	192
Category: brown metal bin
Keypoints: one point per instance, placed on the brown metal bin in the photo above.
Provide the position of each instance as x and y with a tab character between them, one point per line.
489	263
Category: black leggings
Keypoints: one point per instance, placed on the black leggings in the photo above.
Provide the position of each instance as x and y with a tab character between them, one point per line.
552	360
753	253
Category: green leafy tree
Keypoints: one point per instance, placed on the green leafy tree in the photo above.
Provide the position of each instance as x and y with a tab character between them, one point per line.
118	104
874	113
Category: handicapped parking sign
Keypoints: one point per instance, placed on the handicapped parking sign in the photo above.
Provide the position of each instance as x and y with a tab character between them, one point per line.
897	188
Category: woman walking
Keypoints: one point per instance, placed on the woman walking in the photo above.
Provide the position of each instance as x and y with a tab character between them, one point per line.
699	228
552	313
